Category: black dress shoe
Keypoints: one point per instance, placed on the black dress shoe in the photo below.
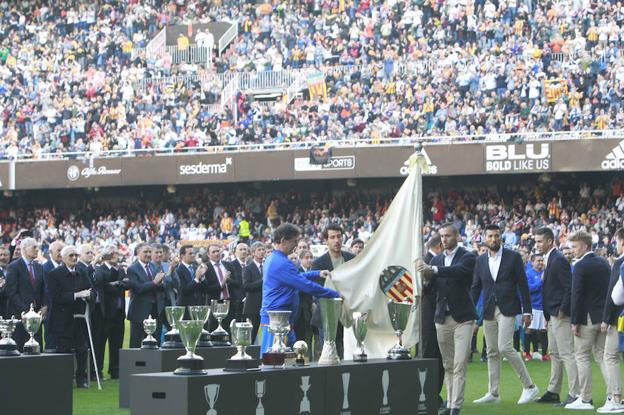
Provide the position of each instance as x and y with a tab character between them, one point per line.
455	411
82	385
445	411
567	401
549	397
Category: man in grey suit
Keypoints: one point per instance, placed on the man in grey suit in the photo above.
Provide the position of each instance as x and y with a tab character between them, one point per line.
148	294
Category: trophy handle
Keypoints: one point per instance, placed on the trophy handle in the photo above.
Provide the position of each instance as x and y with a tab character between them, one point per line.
232	331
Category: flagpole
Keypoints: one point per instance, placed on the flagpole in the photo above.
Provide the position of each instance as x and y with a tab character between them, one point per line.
419	238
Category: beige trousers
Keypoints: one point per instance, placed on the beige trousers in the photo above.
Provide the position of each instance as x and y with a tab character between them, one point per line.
561	347
454	340
589	339
612	361
499	337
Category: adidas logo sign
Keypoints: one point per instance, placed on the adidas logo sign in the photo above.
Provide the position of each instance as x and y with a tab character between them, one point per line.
615	159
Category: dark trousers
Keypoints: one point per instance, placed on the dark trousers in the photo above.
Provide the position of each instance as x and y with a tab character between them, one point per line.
75	341
50	340
255	322
137	334
430	347
113	332
537	338
97	323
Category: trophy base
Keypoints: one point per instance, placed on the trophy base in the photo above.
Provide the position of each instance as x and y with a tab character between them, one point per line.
172	341
220	339
204	340
30	350
189	367
290	358
273	359
399	353
360	357
202	344
8	350
149	345
301	363
242	365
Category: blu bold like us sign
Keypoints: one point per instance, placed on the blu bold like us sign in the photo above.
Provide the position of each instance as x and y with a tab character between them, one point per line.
517	157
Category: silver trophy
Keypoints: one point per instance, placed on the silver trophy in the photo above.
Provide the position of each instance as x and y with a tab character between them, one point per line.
201	312
211	392
260	391
304	406
241	337
301	349
279	326
172	337
385	383
331	309
345	393
360	327
31	322
8	347
399	313
149	326
220	310
422	399
190	363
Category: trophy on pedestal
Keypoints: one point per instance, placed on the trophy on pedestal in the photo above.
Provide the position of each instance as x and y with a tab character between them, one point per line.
201	312
301	349
279	326
399	313
220	337
241	337
149	327
8	347
31	322
360	327
190	363
172	337
331	309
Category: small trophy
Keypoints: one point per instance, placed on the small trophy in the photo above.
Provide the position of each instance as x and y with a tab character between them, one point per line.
149	327
172	337
331	309
360	327
201	312
220	337
260	391
345	394
241	336
422	399
31	322
304	406
385	383
279	326
190	363
399	313
301	349
211	392
8	347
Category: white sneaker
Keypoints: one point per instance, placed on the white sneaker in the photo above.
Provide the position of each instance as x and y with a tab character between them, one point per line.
488	398
611	407
528	395
578	404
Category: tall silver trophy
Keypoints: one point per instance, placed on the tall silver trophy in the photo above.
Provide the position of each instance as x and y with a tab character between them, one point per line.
31	322
331	308
360	328
220	310
172	337
8	347
149	326
279	326
190	363
201	312
241	337
399	314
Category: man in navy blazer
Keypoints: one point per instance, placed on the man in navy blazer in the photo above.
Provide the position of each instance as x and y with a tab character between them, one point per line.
148	294
55	260
194	284
500	274
25	286
556	302
590	284
451	274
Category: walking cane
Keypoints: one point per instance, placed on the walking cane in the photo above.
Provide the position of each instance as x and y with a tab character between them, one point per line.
86	317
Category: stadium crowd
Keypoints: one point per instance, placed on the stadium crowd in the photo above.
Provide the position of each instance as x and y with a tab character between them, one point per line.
68	74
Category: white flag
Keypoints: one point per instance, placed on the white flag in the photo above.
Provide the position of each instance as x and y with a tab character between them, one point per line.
394	245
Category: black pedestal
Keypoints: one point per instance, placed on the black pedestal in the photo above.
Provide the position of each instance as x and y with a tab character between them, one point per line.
149	344
190	366
377	387
220	339
172	341
134	361
273	359
242	365
39	384
9	350
204	340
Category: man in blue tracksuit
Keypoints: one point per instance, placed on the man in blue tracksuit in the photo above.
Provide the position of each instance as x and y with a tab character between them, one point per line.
282	283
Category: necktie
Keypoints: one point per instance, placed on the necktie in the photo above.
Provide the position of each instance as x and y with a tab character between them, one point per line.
151	277
31	274
226	293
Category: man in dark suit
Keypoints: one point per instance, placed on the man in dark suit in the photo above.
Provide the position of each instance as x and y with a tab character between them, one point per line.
500	274
556	302
237	293
54	260
70	290
609	327
451	274
111	284
25	286
194	286
252	285
4	261
148	298
333	258
85	258
221	272
429	342
590	284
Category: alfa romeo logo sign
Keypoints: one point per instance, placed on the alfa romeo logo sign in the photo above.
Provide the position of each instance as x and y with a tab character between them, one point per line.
73	173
